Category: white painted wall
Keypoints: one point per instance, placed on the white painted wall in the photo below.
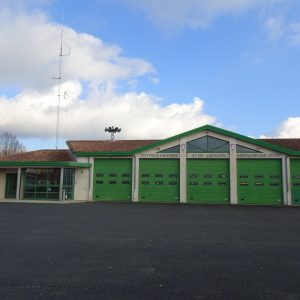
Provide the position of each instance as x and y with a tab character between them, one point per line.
82	159
233	171
182	170
81	187
2	185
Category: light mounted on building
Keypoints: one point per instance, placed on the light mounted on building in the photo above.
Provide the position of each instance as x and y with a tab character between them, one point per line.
112	130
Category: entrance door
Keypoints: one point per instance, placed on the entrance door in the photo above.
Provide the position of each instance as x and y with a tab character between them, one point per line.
11	185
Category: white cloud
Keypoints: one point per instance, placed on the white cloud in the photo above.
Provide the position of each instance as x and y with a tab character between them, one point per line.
278	28
294	29
29	53
33	114
290	128
275	28
193	13
93	73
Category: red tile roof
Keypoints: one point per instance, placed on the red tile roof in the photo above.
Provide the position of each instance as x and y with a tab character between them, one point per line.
107	146
292	144
40	155
129	145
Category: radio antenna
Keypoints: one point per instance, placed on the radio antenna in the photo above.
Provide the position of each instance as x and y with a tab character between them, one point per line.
59	79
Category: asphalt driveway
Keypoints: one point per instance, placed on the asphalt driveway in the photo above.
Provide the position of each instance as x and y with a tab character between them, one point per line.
145	251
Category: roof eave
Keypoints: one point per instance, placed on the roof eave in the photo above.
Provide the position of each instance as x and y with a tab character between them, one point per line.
69	164
106	153
184	134
220	131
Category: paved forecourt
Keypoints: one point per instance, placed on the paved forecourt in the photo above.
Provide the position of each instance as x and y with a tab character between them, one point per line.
148	251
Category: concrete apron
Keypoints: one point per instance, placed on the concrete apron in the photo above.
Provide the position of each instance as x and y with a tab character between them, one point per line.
43	201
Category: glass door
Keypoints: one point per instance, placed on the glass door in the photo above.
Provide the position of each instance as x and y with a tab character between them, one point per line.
11	185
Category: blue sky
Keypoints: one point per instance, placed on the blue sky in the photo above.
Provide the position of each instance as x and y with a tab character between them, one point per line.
155	68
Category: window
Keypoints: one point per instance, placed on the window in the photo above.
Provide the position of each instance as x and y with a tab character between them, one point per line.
175	149
68	183
126	182
207	176
193	175
173	175
42	183
259	183
112	175
243	176
126	175
99	175
242	149
207	144
222	183
112	182
193	183
145	182
173	183
159	182
222	176
207	183
159	175
99	181
244	183
145	175
259	176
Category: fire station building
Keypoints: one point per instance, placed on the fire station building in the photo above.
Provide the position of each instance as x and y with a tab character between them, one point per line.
203	165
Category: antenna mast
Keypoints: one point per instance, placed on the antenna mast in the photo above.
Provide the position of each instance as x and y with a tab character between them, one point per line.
59	79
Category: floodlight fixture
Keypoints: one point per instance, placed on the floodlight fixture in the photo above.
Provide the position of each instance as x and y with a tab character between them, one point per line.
112	130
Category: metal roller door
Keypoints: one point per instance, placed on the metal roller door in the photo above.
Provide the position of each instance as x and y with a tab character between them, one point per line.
259	181
112	180
208	181
295	181
159	180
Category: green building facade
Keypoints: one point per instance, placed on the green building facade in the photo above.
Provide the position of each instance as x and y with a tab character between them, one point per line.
206	165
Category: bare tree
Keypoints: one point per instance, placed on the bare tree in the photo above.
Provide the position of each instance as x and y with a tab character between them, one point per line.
9	144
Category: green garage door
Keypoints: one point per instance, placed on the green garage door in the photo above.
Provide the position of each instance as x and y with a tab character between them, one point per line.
208	181
159	180
295	181
259	181
112	180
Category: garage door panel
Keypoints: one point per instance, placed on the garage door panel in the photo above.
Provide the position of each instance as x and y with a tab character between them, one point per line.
295	181
260	182
159	180
112	180
208	181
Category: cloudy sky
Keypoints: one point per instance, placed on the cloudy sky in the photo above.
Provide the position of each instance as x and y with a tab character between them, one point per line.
153	67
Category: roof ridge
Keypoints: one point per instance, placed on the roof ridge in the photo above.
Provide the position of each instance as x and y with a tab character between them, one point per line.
138	140
279	138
